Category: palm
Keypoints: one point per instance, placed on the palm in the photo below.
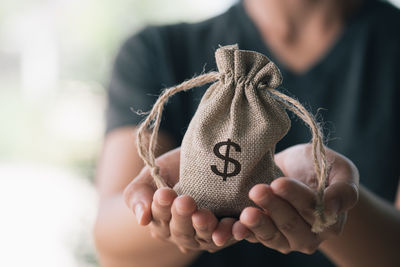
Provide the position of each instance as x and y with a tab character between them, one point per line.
297	162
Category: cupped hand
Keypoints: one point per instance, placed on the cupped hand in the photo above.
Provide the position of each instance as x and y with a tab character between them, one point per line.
288	203
175	218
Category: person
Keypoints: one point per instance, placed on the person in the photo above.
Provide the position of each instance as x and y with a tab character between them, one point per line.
340	58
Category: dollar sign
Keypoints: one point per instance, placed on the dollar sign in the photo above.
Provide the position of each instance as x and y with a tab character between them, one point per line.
226	159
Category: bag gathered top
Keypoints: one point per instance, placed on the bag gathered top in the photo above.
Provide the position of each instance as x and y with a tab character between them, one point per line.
230	142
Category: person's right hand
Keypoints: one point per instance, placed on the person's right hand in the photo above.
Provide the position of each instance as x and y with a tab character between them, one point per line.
172	218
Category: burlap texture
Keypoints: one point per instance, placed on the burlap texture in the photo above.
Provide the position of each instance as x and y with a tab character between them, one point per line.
233	114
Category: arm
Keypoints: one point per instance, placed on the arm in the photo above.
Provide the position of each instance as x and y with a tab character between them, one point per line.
120	240
371	236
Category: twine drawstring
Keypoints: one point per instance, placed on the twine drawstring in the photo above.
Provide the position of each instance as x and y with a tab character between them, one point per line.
146	148
319	157
147	154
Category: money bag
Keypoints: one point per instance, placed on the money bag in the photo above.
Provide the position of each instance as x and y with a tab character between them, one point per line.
230	142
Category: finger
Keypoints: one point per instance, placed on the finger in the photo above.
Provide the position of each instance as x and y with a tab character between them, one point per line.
181	226
161	212
340	197
264	229
223	232
299	195
342	169
169	166
286	218
204	223
252	238
342	191
162	202
240	231
138	195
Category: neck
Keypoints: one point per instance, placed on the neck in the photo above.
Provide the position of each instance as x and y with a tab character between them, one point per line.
287	18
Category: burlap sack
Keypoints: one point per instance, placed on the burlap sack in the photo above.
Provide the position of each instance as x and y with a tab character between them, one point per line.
230	142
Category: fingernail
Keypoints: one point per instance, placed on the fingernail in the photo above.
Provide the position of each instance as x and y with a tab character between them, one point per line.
180	210
239	237
219	243
223	242
164	202
139	212
201	227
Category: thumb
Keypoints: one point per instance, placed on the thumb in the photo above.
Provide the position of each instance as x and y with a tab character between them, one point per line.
342	192
138	196
340	197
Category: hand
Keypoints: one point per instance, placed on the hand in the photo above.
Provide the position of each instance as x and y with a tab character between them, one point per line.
172	218
287	204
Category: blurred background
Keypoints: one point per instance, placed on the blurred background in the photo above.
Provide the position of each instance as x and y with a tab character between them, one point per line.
55	62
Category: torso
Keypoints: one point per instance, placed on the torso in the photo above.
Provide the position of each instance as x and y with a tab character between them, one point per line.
356	81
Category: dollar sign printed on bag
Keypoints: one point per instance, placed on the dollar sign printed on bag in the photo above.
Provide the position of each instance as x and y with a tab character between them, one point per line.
226	159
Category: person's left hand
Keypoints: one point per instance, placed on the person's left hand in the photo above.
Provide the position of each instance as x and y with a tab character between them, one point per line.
287	205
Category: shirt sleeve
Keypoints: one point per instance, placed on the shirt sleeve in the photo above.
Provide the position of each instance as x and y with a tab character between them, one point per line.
134	84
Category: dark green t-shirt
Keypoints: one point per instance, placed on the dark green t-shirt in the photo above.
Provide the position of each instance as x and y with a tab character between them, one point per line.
356	85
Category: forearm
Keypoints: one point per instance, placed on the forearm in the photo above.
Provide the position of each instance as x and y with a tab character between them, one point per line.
122	242
371	236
